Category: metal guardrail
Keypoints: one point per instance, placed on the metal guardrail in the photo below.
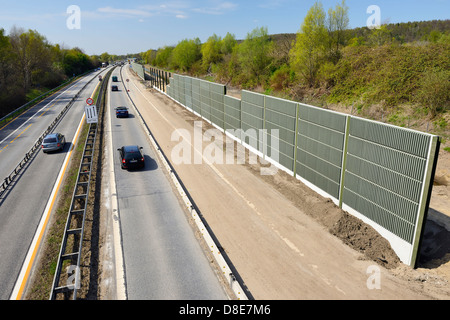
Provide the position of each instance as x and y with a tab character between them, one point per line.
73	235
10	178
74	229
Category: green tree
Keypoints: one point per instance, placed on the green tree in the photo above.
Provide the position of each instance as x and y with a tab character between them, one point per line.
337	23
211	52
105	57
30	65
149	56
163	57
76	62
11	91
228	43
310	46
6	61
356	41
228	68
186	53
254	54
380	36
32	51
445	38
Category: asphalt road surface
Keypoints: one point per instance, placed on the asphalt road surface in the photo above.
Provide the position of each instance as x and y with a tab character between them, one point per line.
162	258
25	200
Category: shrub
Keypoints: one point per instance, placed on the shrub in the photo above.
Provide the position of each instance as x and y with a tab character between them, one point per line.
281	79
434	90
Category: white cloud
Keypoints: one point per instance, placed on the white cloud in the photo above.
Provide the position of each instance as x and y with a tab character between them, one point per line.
32	17
271	4
124	12
169	8
217	9
179	9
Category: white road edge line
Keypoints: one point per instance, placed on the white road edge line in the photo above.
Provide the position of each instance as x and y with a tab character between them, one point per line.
121	291
32	251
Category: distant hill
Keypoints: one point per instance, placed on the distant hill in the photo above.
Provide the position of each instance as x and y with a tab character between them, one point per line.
402	32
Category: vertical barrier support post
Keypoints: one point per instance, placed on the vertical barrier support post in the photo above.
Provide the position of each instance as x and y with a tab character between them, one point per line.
425	197
151	76
344	160
163	82
296	139
264	134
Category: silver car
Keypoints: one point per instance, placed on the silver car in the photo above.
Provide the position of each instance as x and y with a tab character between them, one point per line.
53	142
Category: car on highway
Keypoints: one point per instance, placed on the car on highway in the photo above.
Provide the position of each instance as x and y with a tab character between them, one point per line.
53	142
131	157
115	79
115	88
121	112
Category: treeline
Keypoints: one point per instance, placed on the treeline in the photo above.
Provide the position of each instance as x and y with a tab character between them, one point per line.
30	66
326	61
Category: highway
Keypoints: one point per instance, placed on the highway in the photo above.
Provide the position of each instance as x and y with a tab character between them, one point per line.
162	259
23	204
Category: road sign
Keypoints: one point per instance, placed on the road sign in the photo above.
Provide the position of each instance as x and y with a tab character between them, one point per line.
89	101
91	114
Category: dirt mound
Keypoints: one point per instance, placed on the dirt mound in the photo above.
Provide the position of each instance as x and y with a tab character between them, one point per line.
351	230
366	240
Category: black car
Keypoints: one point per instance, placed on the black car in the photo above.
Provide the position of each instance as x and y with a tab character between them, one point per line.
115	88
121	112
131	157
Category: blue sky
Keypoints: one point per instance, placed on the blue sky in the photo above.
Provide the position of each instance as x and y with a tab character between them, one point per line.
121	27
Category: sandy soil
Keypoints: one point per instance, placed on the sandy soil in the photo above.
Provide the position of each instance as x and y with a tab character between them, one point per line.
286	241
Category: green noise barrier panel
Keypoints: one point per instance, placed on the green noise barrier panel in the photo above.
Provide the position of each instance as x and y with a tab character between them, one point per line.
320	147
216	94
252	117
188	92
380	173
281	115
182	90
139	69
387	179
196	103
232	113
205	101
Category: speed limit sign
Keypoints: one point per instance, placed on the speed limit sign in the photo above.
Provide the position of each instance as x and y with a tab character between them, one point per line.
89	101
